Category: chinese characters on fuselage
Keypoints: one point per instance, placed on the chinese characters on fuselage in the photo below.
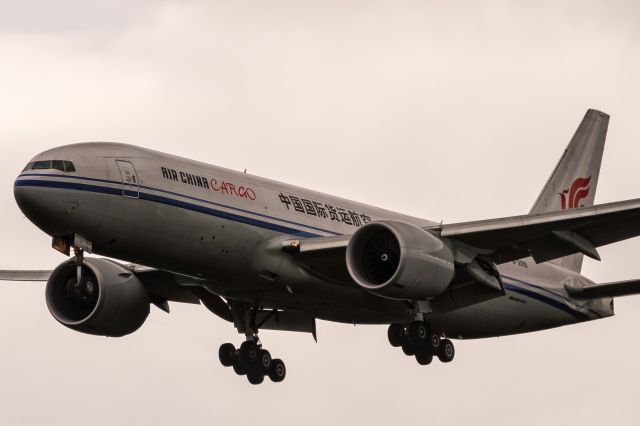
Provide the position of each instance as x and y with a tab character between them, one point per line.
323	210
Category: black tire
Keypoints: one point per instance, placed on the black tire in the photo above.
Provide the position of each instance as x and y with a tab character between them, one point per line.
418	333
249	352
264	361
424	357
278	371
239	368
227	354
408	349
447	351
255	378
396	335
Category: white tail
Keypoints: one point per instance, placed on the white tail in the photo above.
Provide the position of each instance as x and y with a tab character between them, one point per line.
574	180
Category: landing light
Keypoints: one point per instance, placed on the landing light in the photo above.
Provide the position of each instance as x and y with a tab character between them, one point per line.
61	245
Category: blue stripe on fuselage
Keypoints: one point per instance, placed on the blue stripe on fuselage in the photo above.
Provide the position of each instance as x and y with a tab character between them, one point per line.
177	194
168	201
581	316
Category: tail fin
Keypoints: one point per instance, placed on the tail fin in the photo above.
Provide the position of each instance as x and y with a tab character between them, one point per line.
574	180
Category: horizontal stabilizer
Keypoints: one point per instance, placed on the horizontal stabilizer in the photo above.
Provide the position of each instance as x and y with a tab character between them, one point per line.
599	291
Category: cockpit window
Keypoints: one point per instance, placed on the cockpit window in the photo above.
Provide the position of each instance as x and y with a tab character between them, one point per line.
41	165
69	167
63	166
57	165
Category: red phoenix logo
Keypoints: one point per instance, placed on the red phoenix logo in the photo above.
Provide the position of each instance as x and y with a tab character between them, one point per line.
579	190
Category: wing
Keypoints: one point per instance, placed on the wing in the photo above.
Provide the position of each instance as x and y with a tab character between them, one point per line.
39	275
323	257
544	236
598	291
551	235
163	286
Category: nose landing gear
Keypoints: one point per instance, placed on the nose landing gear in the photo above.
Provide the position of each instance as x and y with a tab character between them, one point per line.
417	339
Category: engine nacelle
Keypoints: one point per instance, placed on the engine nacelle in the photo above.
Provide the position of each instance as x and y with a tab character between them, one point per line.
109	300
399	260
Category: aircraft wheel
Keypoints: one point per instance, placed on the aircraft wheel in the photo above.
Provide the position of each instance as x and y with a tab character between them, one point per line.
447	352
396	335
239	368
249	352
227	354
264	360
424	356
278	371
435	342
418	333
408	349
255	378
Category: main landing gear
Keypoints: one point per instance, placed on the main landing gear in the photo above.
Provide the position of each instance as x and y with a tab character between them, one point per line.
253	361
417	339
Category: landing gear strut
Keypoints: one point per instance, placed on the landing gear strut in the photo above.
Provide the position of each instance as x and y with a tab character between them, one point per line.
417	339
250	359
79	255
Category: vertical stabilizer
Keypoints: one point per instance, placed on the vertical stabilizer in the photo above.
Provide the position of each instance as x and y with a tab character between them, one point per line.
574	180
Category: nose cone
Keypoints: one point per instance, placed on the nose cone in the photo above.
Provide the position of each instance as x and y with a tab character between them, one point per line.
53	199
25	198
31	201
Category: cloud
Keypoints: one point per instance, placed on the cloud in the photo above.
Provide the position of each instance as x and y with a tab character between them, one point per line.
72	16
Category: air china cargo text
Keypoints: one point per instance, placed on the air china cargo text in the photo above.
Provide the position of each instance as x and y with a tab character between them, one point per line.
212	184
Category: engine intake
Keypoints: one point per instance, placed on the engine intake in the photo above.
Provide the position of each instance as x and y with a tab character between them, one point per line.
109	300
399	260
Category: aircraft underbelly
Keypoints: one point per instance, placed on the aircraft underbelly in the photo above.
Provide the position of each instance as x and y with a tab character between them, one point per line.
513	313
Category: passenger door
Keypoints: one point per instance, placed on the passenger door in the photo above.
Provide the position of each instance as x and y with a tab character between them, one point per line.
130	183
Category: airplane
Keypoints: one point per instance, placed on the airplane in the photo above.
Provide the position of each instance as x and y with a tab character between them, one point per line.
262	254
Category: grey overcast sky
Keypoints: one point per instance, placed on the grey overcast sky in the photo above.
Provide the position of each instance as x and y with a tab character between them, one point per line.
448	110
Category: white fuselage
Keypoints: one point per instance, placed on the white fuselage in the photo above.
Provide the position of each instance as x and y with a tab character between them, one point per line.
226	228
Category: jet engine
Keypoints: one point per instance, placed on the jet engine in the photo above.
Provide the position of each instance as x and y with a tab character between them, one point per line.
107	300
399	260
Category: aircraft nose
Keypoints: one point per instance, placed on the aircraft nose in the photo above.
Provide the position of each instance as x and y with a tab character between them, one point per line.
40	205
55	205
29	200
